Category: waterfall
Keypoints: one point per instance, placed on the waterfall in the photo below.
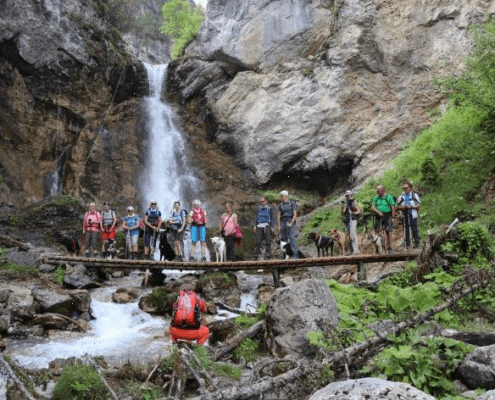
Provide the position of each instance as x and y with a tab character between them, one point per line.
167	177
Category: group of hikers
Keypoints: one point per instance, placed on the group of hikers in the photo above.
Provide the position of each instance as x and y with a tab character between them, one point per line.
267	224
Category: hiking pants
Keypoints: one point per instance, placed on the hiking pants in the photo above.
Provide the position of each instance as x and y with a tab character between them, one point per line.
411	224
229	246
351	227
91	243
266	235
288	234
200	334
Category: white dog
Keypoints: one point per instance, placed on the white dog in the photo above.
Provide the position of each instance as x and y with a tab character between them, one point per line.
377	243
220	249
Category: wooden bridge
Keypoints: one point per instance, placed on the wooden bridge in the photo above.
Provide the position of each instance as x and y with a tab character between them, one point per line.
274	265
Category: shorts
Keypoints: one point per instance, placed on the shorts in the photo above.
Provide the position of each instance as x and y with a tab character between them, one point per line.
385	221
198	230
174	236
108	235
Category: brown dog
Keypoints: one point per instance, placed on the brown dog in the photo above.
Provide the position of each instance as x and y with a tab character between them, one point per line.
339	238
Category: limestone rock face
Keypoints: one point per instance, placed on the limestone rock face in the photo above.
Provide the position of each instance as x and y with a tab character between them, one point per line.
315	93
68	87
478	368
295	310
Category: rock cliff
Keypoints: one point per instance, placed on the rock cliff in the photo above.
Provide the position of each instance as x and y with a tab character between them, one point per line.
67	83
316	93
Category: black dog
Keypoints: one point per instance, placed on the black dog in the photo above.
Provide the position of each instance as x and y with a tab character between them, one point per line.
286	249
71	244
323	244
166	251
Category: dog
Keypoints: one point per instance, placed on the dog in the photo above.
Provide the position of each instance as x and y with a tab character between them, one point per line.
323	244
220	248
339	239
167	253
110	249
71	244
371	238
287	251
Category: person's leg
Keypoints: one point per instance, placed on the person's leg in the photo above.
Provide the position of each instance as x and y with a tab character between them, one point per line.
147	239
94	239
87	244
353	235
230	247
387	220
202	238
134	245
259	238
414	228
202	335
407	231
284	232
194	240
292	241
268	240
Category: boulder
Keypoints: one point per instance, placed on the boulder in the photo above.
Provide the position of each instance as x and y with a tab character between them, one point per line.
221	286
52	301
50	321
81	299
478	368
77	277
264	294
5	322
370	388
296	310
124	295
21	307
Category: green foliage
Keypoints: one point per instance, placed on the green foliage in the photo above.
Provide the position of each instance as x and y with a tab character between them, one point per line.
225	279
426	363
204	356
19	270
1	179
224	369
247	349
182	23
79	382
58	275
68	201
148	25
307	71
326	375
119	13
475	239
429	172
144	391
3	254
167	365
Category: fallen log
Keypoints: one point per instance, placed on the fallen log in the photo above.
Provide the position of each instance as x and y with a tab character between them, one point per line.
235	310
236	340
5	368
69	319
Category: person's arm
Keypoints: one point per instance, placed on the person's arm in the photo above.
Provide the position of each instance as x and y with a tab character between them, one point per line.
159	223
270	214
146	223
235	219
206	219
357	209
418	201
184	221
84	223
342	208
294	216
375	210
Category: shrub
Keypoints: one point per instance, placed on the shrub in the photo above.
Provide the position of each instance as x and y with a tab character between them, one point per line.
247	349
59	276
79	382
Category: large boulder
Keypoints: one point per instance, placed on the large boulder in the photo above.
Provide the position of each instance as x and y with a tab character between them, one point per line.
221	286
478	368
77	277
370	388
294	311
21	307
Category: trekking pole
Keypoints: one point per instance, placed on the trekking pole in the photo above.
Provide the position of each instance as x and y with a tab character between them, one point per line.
404	219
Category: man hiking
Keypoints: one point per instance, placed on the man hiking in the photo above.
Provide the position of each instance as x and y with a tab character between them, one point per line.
409	203
383	206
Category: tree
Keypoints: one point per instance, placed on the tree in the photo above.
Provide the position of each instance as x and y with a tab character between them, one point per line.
182	23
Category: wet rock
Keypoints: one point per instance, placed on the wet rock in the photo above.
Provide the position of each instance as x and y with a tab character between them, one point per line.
5	321
295	310
218	285
47	268
50	321
23	258
81	299
490	395
21	307
370	388
264	294
478	368
287	281
4	295
124	295
52	301
222	330
77	277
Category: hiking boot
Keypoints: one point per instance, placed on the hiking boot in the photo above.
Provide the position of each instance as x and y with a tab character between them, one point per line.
203	259
390	251
179	259
192	259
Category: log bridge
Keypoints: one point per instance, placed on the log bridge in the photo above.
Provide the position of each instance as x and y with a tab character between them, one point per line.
274	265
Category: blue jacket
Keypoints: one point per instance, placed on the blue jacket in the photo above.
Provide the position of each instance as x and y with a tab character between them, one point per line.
264	215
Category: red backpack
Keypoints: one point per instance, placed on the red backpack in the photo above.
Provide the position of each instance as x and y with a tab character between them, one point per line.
198	217
186	310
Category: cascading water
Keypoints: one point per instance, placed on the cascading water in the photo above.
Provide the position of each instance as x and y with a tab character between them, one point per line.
167	176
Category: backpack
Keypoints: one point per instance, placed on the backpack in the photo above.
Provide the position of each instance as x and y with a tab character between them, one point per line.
183	214
108	216
187	311
199	217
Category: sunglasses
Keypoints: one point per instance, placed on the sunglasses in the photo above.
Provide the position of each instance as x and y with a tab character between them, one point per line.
153	204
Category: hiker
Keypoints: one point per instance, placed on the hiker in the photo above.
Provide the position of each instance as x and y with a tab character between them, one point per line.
92	225
383	206
228	223
131	225
350	210
409	203
152	221
263	228
198	220
286	221
177	222
108	231
186	324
